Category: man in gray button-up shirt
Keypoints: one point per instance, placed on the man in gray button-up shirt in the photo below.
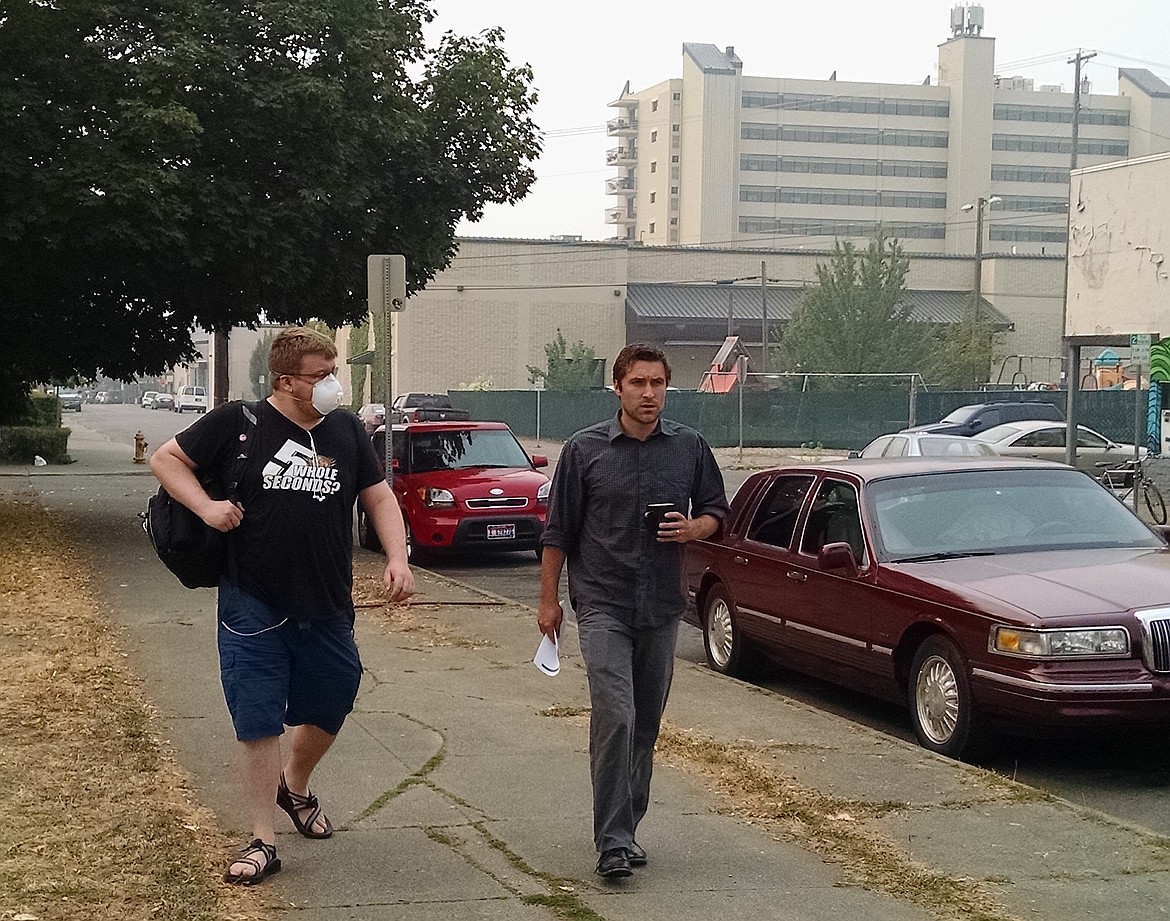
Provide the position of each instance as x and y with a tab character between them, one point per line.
625	582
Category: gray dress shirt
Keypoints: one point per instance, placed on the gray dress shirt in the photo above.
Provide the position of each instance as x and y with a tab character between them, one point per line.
603	482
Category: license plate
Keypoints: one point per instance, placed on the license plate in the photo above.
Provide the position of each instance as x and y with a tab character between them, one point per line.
501	532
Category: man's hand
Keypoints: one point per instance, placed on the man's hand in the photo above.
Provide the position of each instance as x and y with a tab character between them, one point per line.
677	528
549	617
223	515
399	580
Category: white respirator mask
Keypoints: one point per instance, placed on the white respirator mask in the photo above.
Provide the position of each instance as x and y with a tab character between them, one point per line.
327	395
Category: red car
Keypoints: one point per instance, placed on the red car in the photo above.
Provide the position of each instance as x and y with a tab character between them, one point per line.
463	486
985	593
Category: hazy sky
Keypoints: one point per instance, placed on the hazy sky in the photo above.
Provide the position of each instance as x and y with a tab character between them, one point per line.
583	55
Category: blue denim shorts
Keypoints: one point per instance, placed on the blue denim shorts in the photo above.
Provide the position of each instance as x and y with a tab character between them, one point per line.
277	672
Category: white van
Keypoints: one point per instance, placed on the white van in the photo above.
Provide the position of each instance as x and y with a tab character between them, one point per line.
191	398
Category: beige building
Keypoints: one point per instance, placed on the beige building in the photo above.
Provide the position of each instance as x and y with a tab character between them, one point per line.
716	157
485	319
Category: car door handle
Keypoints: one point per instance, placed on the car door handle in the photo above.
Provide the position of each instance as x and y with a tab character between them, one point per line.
796	576
741	560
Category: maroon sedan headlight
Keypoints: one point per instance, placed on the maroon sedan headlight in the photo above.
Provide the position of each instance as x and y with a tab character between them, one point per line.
1102	642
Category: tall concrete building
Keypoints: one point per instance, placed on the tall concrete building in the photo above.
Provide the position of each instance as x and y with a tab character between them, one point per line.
715	157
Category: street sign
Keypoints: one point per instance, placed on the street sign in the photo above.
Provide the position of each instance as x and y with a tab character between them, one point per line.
386	282
1139	349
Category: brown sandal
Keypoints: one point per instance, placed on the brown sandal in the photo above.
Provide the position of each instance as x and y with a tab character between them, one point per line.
294	804
249	857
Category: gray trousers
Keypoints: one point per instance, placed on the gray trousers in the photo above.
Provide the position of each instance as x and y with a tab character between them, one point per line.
629	675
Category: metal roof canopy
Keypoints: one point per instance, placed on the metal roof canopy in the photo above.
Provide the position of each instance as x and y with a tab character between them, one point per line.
674	303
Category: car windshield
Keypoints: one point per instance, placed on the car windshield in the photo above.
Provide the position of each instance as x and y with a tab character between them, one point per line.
962	414
460	449
998	433
1001	511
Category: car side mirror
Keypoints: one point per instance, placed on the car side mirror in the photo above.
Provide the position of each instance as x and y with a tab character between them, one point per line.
838	557
539	460
853	455
1163	531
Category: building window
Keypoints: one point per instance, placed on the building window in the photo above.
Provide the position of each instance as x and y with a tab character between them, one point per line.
814	227
674	190
1020	234
843	166
654	166
674	158
653	105
1029	174
674	128
653	136
1059	114
818	134
676	96
651	227
1041	203
849	197
1032	144
863	105
674	221
653	195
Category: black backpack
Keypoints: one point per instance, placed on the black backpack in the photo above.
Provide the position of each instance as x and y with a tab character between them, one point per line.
193	551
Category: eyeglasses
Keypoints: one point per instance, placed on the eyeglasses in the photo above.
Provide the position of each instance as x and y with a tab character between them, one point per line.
314	378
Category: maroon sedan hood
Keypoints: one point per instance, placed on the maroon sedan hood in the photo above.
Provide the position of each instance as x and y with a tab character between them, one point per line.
1055	584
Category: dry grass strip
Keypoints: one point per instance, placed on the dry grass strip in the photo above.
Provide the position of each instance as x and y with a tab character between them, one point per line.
830	826
96	820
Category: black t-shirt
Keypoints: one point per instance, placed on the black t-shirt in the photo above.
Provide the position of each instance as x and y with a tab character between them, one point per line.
294	547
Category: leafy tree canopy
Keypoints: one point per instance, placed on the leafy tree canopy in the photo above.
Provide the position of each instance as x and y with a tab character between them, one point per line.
573	367
855	319
172	163
964	351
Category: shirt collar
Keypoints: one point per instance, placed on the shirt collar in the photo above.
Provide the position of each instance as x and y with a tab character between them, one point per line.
662	427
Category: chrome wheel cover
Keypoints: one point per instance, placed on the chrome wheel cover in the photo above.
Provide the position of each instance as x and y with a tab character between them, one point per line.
720	638
936	700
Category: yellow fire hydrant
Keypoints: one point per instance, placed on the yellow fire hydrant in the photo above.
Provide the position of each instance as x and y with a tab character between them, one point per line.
139	448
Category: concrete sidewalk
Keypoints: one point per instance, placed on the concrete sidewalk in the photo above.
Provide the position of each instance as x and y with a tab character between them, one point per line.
460	785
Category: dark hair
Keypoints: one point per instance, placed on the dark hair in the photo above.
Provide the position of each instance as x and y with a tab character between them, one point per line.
639	351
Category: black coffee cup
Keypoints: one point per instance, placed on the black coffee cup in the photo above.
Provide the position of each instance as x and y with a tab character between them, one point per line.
655	514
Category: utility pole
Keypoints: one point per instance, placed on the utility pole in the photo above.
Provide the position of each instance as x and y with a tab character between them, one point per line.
764	321
1072	360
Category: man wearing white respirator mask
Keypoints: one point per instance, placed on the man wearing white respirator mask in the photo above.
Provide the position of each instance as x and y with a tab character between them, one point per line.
286	615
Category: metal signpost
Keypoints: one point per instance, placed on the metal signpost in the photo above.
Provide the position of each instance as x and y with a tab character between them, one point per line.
1139	356
386	292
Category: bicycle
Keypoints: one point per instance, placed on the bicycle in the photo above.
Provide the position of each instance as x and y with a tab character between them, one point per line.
1127	480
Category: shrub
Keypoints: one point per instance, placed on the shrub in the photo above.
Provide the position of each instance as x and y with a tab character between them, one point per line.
19	444
46	410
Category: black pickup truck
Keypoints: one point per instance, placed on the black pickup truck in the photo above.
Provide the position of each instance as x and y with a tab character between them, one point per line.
425	407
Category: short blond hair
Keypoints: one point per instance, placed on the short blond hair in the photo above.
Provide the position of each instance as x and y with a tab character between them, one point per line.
293	344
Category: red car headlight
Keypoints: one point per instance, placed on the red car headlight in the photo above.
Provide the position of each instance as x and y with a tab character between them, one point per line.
433	497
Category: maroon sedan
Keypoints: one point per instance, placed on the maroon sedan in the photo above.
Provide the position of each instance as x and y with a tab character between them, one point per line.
985	593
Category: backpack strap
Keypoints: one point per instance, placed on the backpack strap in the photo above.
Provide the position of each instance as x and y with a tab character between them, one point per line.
249	426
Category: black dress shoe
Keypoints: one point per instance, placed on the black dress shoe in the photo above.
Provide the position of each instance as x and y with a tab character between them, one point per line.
614	863
636	855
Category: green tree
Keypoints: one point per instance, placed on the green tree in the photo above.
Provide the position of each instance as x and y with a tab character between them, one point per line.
855	319
258	367
171	164
963	352
573	367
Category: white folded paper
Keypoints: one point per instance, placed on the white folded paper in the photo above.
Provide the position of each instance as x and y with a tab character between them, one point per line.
547	657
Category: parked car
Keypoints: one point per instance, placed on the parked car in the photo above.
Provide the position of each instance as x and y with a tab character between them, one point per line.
990	594
425	407
924	444
163	401
1046	440
147	399
372	415
70	400
463	486
978	417
191	398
